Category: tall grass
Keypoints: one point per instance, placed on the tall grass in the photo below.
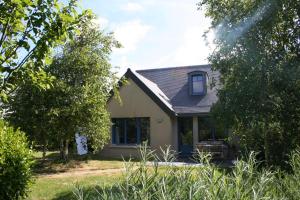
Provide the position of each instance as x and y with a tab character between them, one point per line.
244	181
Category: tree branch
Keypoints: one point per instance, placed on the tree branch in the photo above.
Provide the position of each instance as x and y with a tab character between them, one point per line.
3	36
3	33
6	78
25	33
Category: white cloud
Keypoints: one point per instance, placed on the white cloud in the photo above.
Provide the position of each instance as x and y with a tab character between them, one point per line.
121	66
173	39
130	34
192	50
101	22
132	7
191	47
121	63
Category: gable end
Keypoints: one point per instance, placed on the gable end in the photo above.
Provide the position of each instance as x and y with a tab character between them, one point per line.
130	75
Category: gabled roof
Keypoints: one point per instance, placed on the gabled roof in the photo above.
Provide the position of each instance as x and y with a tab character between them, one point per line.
169	88
155	90
152	90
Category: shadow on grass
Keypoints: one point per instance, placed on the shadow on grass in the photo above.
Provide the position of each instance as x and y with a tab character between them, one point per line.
53	163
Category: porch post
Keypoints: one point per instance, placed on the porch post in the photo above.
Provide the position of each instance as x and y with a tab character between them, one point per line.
195	131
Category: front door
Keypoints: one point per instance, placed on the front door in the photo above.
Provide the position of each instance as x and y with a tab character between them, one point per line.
185	135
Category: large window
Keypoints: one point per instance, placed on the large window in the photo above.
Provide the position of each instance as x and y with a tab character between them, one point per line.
130	130
145	129
210	130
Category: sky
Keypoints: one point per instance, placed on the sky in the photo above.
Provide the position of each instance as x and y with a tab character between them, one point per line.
154	33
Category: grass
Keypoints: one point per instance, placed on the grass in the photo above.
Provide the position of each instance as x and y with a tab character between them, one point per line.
46	188
48	185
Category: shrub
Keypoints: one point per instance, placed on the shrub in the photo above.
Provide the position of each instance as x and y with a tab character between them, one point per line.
15	163
246	180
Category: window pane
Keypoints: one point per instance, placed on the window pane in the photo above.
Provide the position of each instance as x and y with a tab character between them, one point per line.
131	131
126	130
197	83
197	87
119	131
145	130
197	78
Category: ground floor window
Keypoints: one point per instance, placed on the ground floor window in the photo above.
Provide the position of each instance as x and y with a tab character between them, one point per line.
130	130
210	130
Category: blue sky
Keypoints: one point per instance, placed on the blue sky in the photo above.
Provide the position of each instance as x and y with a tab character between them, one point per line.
154	33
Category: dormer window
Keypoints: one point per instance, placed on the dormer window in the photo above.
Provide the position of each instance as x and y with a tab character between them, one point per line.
197	83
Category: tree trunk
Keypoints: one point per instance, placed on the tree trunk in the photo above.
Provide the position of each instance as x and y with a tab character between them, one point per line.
61	149
44	150
64	149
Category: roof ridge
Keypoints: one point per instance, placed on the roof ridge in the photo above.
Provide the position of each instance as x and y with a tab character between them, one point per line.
177	67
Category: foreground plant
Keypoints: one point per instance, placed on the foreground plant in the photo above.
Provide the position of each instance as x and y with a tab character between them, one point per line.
244	181
15	163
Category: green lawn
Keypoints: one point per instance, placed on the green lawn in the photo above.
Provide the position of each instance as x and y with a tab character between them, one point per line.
46	188
54	179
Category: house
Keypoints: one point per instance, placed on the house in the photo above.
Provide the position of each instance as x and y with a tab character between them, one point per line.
164	106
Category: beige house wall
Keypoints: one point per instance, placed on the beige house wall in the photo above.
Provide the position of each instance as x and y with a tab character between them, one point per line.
136	103
175	133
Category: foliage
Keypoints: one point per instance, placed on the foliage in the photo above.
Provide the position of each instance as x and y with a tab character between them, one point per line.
28	31
245	181
83	82
15	163
29	109
257	54
76	102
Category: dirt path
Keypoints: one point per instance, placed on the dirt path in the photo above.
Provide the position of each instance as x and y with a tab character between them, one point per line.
87	170
83	172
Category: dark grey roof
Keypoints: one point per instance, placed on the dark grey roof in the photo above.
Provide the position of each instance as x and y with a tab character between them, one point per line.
173	82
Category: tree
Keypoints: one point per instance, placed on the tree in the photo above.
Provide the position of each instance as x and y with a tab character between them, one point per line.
257	54
76	102
28	31
29	108
81	90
